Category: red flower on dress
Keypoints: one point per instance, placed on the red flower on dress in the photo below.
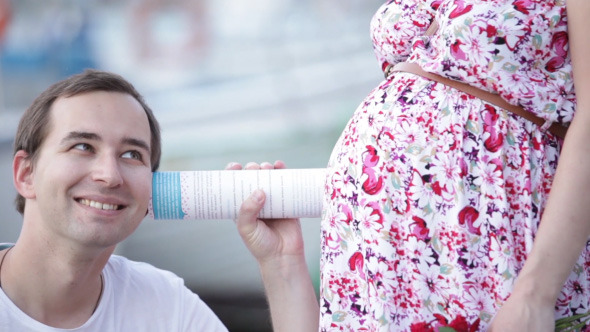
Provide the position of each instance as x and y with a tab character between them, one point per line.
460	9
421	327
467	216
559	44
373	183
459	324
419	229
356	263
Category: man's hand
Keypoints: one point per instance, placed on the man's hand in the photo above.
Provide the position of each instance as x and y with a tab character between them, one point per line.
267	239
277	245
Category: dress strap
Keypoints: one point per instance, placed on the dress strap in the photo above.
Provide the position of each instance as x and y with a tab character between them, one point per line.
432	28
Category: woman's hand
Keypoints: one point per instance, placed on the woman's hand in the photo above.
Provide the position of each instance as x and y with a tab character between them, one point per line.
564	229
521	313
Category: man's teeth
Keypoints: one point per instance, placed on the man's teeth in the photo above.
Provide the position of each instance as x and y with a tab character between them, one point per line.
98	205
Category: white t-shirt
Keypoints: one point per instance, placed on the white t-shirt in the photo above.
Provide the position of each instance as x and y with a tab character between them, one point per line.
136	297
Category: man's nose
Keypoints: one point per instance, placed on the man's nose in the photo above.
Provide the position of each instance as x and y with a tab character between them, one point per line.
107	170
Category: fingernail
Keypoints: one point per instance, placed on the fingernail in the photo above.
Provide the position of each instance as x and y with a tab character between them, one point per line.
258	195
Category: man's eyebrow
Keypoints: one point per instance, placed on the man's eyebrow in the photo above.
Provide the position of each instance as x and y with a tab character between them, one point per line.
76	135
137	142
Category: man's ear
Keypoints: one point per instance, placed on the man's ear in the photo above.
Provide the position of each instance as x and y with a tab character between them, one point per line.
22	174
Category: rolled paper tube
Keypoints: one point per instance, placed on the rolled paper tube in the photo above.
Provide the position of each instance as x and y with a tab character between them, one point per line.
203	195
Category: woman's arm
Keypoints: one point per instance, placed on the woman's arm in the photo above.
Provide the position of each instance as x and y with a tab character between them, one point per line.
565	226
277	245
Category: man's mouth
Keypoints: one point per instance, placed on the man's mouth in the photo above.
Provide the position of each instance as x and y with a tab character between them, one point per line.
99	205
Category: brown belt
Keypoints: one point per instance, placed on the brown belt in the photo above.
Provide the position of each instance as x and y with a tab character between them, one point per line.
492	98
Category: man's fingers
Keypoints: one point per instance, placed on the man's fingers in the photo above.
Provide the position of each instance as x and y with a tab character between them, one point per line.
266	165
252	165
233	166
279	164
249	211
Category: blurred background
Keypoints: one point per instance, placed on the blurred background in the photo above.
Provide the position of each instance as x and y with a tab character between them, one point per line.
229	80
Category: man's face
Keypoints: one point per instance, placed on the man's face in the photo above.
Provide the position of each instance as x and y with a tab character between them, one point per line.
92	178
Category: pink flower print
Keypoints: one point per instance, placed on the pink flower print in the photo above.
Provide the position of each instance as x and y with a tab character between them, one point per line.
400	202
490	115
475	296
404	132
492	179
422	194
469	255
436	188
563	304
422	20
523	6
514	158
494	139
491	31
343	185
370	217
475	46
346	287
345	214
467	217
502	257
332	239
448	170
464	167
460	9
356	264
448	141
460	324
419	229
433	283
421	327
371	158
421	251
373	184
576	288
559	44
456	50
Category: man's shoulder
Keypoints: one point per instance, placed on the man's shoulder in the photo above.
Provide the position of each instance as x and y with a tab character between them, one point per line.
142	288
117	261
125	270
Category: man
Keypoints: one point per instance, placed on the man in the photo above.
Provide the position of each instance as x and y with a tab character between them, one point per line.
83	160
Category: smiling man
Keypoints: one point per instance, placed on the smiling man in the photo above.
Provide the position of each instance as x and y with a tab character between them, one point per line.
83	160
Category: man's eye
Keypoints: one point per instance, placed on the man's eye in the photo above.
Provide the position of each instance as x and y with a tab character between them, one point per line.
83	147
132	155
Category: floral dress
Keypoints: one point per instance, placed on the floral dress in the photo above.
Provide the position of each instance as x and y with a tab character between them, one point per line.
433	197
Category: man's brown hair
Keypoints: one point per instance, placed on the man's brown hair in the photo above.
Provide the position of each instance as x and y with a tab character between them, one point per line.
34	124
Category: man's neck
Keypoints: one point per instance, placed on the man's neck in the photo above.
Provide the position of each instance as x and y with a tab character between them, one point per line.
56	287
